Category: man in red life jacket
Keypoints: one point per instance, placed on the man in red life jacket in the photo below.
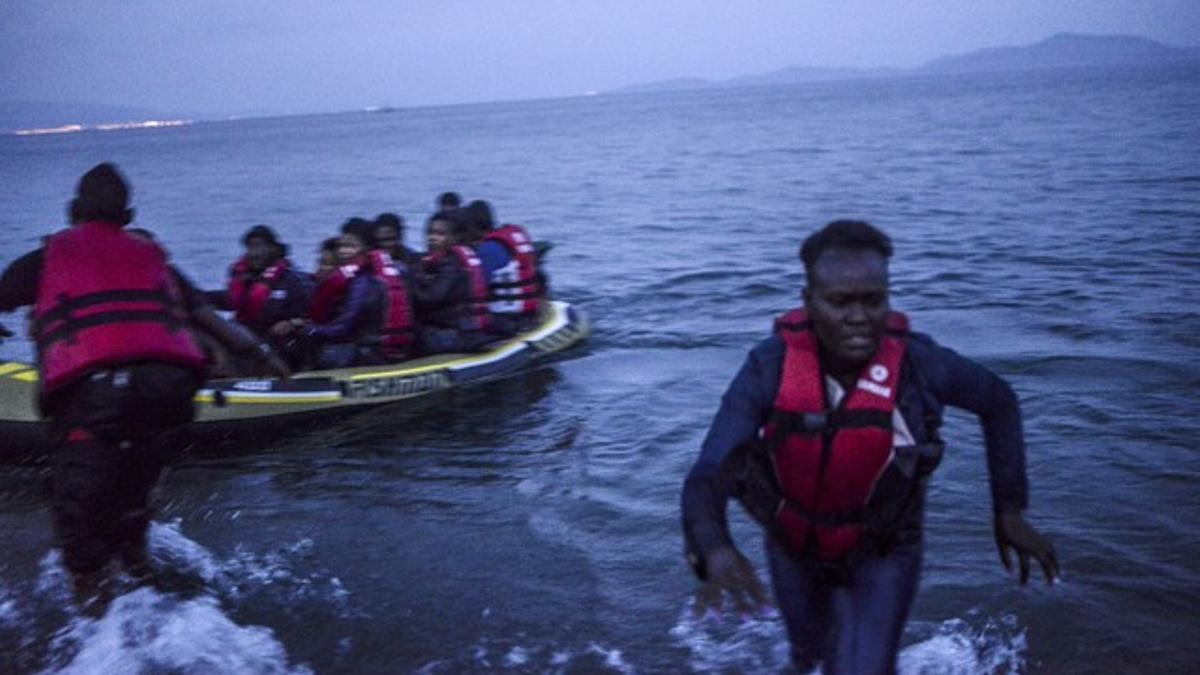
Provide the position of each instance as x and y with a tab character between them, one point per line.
118	370
450	293
387	234
827	436
265	292
516	286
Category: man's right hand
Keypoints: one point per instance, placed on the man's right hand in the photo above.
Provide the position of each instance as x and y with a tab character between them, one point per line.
729	572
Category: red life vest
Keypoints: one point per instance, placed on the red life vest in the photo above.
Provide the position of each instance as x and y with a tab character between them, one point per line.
517	287
330	291
106	298
249	293
827	462
476	316
397	328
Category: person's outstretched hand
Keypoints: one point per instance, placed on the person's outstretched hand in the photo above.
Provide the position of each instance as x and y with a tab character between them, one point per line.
1013	533
729	572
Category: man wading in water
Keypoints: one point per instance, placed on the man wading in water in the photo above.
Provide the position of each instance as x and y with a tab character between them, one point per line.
827	436
118	368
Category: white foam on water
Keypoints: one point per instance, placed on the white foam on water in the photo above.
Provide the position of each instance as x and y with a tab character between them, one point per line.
972	646
612	659
145	631
499	655
517	656
976	645
753	644
148	630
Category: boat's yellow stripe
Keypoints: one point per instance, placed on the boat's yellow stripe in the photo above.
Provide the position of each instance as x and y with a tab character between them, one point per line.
11	367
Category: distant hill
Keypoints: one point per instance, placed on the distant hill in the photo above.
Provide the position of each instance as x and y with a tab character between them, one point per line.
15	115
1066	50
1063	50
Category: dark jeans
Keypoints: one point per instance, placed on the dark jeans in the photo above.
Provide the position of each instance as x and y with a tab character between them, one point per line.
851	626
108	457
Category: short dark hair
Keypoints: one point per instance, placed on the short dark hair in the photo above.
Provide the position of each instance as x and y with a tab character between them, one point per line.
479	216
331	244
449	200
390	220
362	228
102	194
457	221
856	235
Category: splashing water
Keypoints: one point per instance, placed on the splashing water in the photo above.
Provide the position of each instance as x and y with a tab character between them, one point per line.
976	645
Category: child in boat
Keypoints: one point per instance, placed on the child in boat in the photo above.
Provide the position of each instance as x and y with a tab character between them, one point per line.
450	293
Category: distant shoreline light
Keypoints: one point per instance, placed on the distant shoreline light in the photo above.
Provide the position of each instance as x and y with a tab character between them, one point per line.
73	128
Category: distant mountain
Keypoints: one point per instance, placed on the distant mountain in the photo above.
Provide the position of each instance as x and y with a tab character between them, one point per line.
15	115
796	74
1066	50
1063	50
677	84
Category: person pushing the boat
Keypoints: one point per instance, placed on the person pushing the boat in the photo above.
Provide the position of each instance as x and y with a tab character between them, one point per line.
827	436
118	369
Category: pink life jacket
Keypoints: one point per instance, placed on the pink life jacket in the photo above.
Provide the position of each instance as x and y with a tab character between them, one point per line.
249	293
106	298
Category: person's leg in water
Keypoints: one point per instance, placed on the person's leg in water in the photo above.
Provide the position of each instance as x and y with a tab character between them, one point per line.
86	475
870	611
804	603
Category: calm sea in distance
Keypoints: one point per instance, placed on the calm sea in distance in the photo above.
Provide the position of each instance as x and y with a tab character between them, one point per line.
1047	225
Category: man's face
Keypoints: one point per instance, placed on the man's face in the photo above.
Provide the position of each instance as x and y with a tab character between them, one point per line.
259	253
438	235
386	237
847	300
349	248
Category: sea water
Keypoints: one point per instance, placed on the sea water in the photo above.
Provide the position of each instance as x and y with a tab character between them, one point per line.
1047	225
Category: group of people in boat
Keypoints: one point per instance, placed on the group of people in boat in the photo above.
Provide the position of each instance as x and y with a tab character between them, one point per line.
373	300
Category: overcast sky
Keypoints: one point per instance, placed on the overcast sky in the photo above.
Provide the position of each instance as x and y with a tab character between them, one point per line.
223	56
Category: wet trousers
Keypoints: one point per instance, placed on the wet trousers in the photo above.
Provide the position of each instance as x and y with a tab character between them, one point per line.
850	622
109	454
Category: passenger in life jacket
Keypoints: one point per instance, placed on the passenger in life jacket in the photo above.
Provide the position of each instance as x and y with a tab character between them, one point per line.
827	436
388	235
266	292
450	292
516	285
398	326
118	370
327	259
342	328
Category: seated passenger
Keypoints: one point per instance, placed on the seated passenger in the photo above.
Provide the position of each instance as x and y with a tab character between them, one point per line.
265	292
342	330
389	236
397	327
516	286
450	292
327	258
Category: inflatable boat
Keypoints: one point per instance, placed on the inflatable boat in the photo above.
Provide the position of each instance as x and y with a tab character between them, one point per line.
227	408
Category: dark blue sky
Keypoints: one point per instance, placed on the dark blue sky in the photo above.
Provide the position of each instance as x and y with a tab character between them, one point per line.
225	56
